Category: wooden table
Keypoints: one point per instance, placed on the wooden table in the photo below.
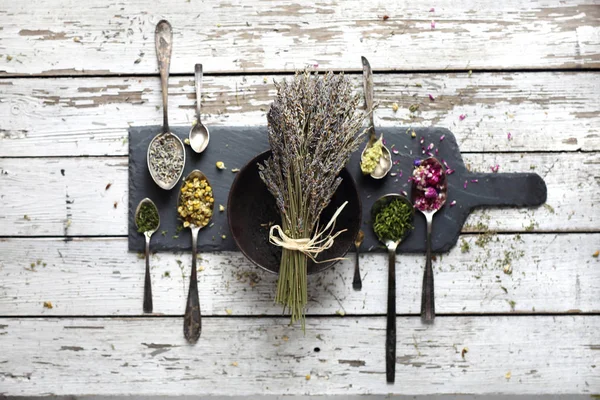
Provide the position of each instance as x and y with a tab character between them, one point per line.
74	76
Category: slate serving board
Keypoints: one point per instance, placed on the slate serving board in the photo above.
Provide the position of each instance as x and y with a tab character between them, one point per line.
235	146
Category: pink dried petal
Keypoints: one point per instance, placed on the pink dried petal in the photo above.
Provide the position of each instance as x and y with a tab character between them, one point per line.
395	151
449	171
442	137
400	174
396	162
431	97
430	193
430	154
462	116
431	145
432	9
383	141
437	151
404	193
422	140
474	180
445	163
316	65
465	185
452	203
495	168
509	136
432	24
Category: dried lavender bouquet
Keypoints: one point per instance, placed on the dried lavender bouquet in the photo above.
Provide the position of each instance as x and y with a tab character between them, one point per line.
314	127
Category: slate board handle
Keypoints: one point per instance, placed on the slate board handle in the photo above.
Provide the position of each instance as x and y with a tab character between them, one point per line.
510	189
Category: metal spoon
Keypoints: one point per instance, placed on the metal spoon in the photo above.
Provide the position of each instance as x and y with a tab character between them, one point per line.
192	320
164	40
427	295
147	235
390	340
199	135
357	281
385	161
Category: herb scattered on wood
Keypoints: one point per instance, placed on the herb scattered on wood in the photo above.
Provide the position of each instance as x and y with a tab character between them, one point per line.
393	220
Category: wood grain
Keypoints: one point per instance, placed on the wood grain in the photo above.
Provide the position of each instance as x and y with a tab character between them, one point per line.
544	111
242	356
79	203
61	38
529	273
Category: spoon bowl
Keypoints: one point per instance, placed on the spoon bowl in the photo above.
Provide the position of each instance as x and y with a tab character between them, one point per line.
163	38
428	206
390	342
147	235
192	321
199	135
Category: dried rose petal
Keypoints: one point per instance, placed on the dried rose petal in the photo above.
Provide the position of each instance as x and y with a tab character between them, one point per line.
474	180
453	203
465	185
449	171
445	163
462	117
431	146
432	9
430	193
509	136
432	24
442	137
395	151
431	97
422	140
495	168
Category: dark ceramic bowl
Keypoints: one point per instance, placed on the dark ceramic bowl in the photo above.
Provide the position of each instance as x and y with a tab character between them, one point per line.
251	208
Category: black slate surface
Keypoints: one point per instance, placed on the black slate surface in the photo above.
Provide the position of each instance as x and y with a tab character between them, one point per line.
235	146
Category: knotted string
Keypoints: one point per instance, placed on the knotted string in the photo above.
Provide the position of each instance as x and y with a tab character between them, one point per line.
311	247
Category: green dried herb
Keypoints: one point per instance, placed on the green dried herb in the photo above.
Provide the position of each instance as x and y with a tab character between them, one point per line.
393	220
147	218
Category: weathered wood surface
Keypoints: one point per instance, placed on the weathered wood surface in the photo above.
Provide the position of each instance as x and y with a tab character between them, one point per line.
551	273
78	203
544	111
235	356
118	37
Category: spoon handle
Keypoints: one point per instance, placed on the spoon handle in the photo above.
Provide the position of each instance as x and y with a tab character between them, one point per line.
147	282
163	38
357	281
198	80
192	320
427	296
390	338
368	89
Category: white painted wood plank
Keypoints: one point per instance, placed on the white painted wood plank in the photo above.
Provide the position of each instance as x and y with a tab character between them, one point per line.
550	274
554	111
78	203
60	37
241	356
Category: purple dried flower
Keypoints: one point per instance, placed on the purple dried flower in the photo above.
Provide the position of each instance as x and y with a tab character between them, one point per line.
462	116
431	97
417	162
449	171
430	193
400	174
432	9
509	136
495	168
442	137
452	203
465	185
431	145
432	24
474	180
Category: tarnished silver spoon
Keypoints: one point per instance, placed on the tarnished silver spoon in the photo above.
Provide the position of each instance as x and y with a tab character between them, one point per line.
147	235
165	169
199	135
385	161
427	295
192	320
390	340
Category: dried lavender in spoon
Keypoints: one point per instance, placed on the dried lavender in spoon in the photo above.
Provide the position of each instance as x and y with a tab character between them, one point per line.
165	157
